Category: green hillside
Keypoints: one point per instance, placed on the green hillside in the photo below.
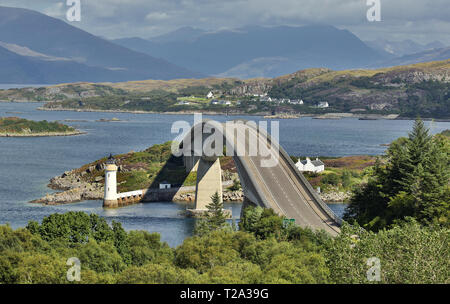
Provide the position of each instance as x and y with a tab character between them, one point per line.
19	126
409	91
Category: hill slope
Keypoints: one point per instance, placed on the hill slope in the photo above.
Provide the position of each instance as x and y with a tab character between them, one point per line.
429	55
277	50
53	37
15	68
421	89
402	48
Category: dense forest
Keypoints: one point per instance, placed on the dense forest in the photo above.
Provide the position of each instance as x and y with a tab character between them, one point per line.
262	251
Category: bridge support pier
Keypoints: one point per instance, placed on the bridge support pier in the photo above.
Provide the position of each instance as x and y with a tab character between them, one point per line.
191	163
209	181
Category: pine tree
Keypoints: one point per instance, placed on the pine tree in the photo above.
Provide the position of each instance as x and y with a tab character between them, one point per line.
414	182
214	217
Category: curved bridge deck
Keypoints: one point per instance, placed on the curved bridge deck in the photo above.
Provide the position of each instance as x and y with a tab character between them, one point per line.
279	186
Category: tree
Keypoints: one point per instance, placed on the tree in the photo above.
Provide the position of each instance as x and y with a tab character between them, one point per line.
72	228
408	253
263	222
157	274
204	252
147	247
121	242
413	182
214	217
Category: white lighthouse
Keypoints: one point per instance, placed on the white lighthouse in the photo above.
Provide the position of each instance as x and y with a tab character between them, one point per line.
110	199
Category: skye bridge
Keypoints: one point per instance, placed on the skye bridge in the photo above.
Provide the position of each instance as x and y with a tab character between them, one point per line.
268	175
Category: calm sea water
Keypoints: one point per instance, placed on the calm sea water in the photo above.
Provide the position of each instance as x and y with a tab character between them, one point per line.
27	164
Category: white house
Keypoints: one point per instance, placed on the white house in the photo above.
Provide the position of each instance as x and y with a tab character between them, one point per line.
323	104
296	101
225	102
164	185
265	99
210	95
184	102
310	166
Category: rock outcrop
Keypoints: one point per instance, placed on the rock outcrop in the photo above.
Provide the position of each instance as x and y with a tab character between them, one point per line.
77	194
227	196
335	196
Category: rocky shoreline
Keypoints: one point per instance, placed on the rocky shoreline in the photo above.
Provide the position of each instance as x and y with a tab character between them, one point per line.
236	113
227	196
73	189
264	114
336	197
42	134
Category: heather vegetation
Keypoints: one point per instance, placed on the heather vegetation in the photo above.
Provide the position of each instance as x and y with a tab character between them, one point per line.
20	126
420	89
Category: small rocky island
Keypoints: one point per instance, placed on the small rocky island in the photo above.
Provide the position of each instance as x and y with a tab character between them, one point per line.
147	169
138	170
20	127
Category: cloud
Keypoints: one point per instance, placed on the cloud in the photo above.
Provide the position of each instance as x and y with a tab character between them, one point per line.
56	10
157	16
421	20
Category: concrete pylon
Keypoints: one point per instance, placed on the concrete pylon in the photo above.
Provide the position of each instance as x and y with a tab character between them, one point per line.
191	163
209	181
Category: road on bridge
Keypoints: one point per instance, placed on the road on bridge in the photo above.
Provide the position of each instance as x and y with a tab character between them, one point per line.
284	191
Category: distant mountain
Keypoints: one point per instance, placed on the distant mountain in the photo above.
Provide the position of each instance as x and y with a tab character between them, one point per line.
136	43
47	36
186	33
262	51
15	68
401	48
430	55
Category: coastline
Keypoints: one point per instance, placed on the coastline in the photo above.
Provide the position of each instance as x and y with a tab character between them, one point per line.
43	134
330	116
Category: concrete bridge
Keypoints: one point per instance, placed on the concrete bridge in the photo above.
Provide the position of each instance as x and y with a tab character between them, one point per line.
269	177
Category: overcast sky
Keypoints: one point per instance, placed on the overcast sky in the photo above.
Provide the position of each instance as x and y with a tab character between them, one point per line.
420	20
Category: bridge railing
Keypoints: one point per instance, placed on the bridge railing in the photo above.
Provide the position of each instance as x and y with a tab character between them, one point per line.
303	180
292	166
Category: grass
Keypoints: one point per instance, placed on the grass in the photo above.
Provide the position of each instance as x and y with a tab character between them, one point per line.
342	174
445	64
16	125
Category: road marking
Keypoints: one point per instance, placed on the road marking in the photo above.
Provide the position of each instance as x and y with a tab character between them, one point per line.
307	201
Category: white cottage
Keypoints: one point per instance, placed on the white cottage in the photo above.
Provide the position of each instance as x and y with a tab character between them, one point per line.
210	95
310	166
